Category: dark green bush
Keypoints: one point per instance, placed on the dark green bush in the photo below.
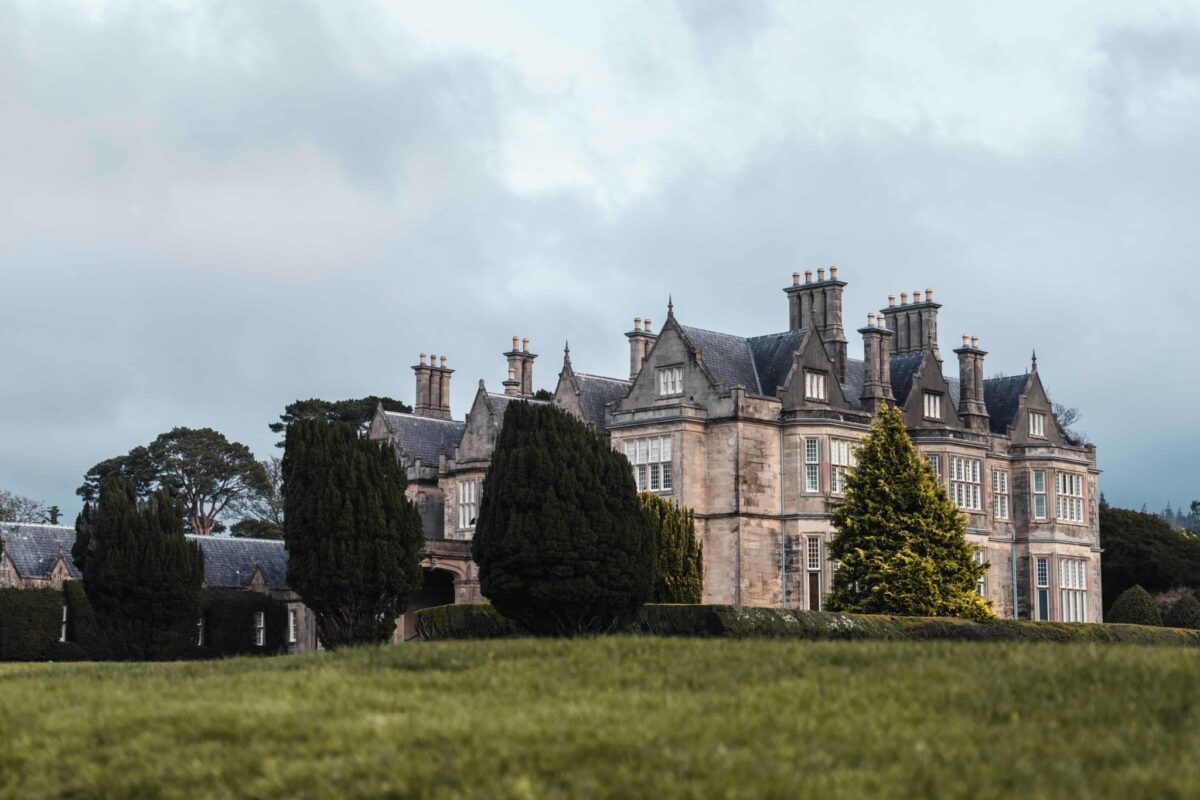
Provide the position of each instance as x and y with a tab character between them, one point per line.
1185	613
29	623
1135	606
466	621
229	623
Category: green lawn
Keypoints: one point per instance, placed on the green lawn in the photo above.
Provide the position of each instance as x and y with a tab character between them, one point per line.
615	717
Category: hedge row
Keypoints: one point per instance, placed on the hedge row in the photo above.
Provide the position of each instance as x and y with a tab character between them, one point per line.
481	621
31	625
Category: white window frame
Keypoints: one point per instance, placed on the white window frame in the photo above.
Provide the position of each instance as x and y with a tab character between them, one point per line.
981	584
1068	497
842	457
260	628
1037	479
1001	495
62	631
1072	589
670	381
1041	580
1037	424
651	460
293	625
812	553
965	484
935	463
200	631
933	405
816	386
468	504
812	465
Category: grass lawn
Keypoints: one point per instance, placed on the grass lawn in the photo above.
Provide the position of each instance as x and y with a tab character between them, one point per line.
615	717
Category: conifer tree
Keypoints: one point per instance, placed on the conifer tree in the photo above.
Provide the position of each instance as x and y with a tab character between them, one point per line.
1185	613
679	572
1135	606
900	540
141	575
354	540
560	541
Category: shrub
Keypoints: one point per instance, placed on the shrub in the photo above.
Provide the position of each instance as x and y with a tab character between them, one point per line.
1185	613
1135	606
229	618
29	623
560	541
464	621
679	557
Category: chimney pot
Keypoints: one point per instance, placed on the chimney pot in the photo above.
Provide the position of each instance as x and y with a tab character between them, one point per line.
891	301
929	295
966	340
443	362
904	298
975	342
795	279
808	276
833	273
515	341
525	345
870	320
647	326
637	323
423	359
820	273
916	297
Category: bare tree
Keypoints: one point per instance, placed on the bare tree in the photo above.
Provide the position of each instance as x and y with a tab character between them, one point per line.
15	508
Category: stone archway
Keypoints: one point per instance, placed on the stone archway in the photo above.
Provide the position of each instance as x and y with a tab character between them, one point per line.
437	589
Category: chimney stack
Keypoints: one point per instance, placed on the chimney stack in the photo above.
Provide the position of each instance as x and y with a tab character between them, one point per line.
914	324
640	341
520	368
877	365
972	409
817	306
433	388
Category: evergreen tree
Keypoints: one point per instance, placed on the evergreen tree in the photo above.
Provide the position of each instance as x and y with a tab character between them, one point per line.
1135	606
1185	613
141	575
354	540
900	540
679	574
560	541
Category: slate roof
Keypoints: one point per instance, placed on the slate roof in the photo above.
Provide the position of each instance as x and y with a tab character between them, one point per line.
596	392
500	403
904	368
230	562
856	376
760	363
425	438
34	548
1003	398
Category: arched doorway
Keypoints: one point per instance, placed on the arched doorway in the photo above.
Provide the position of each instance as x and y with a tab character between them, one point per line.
437	589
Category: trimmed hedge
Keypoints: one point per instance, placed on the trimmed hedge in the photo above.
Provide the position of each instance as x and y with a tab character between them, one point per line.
31	620
1185	613
480	621
1135	606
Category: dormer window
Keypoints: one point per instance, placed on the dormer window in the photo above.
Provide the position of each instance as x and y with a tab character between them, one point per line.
814	386
1037	424
933	405
670	381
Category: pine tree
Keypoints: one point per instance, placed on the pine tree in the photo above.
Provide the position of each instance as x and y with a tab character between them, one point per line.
679	574
1185	613
900	540
560	541
1135	606
354	540
141	575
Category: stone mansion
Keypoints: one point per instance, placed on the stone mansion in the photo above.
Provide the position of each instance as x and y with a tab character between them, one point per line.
756	435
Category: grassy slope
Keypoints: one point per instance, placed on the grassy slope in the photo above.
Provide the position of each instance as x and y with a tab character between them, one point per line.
615	717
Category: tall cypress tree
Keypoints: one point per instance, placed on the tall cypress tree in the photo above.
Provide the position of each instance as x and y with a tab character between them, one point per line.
141	575
900	540
560	541
679	570
354	540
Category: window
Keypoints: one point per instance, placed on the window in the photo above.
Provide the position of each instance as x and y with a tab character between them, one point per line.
841	455
293	625
1000	505
1037	424
651	459
468	503
1043	589
1068	497
935	464
964	483
670	381
1072	586
813	559
1039	494
260	628
814	386
933	405
200	632
62	631
812	465
814	554
981	584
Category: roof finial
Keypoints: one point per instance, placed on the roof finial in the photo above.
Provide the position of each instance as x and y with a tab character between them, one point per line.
567	352
670	306
1035	360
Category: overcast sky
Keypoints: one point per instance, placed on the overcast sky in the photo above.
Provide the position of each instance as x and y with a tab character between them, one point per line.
212	209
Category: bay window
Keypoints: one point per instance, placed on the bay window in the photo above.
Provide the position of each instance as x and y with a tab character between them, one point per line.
651	460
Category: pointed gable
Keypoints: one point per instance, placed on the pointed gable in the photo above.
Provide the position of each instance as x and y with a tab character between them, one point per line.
587	396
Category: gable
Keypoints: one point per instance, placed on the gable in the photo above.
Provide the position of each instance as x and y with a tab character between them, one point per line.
925	375
1034	399
810	355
